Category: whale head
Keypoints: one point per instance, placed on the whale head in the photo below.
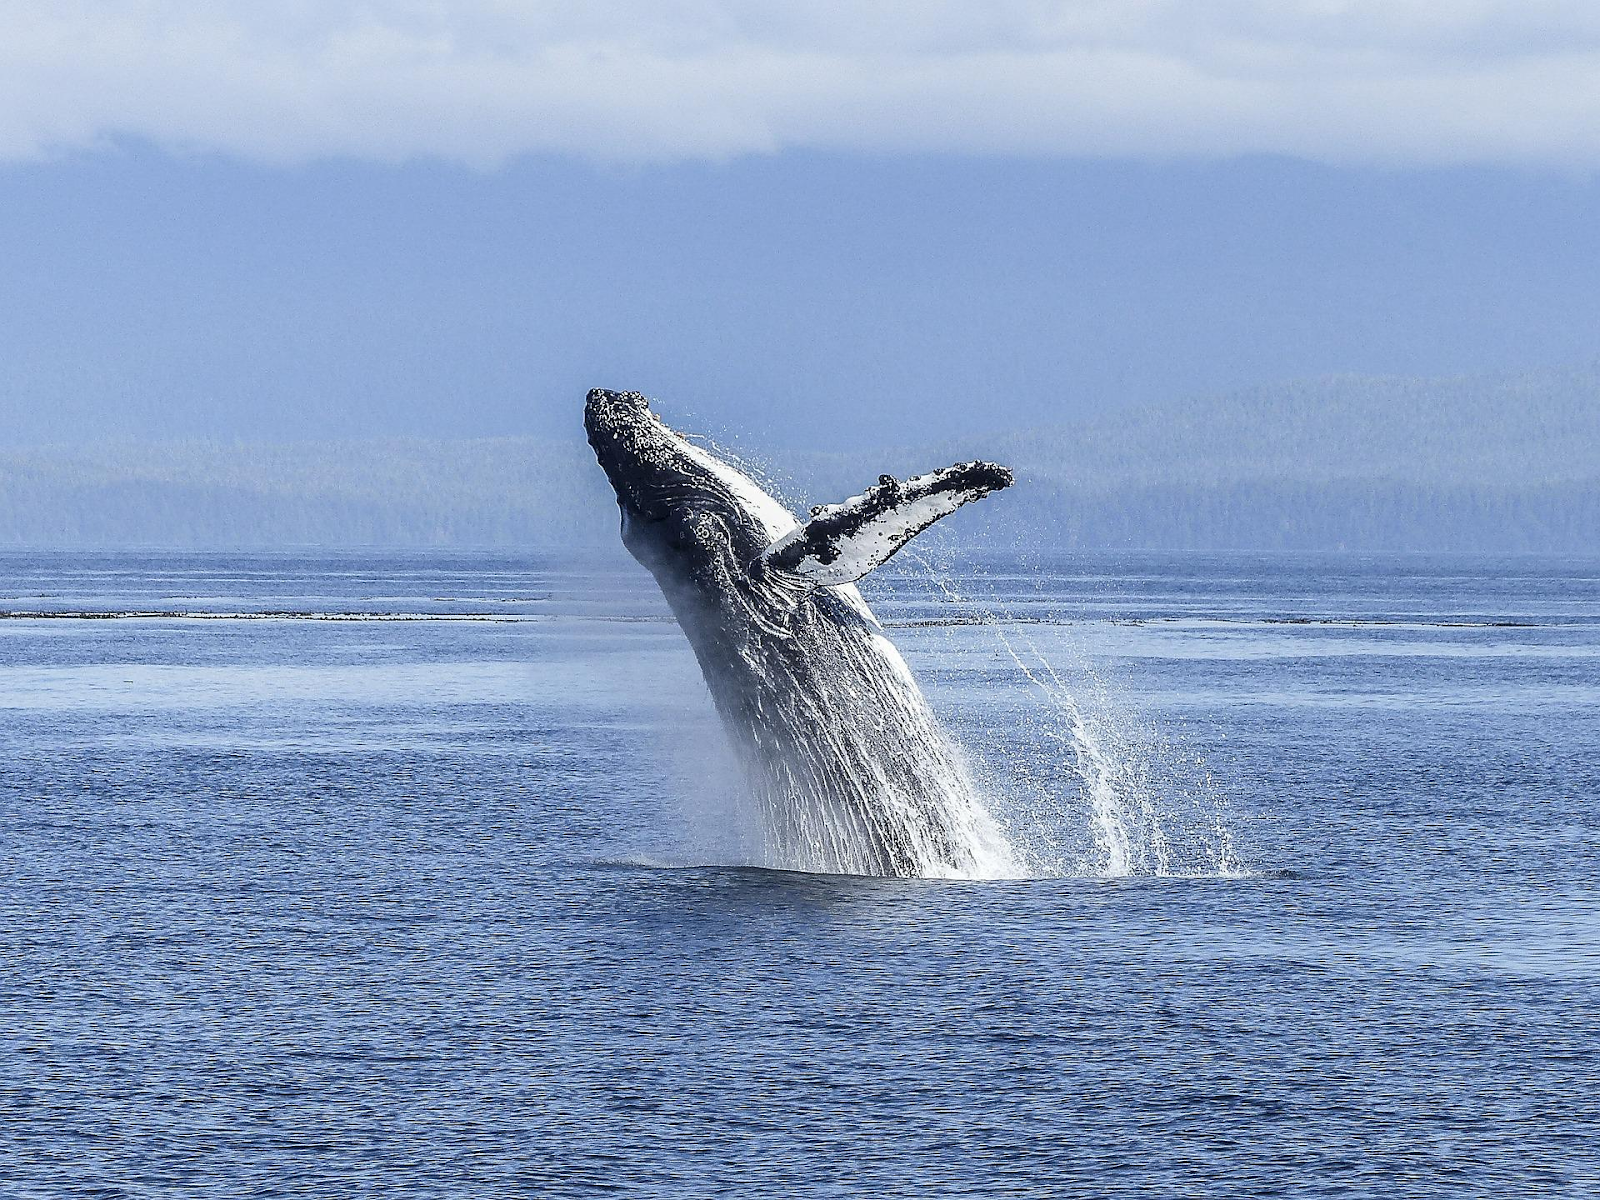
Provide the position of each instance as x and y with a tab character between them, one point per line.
682	507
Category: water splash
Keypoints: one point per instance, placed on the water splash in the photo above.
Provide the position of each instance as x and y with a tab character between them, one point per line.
1089	790
1100	792
858	777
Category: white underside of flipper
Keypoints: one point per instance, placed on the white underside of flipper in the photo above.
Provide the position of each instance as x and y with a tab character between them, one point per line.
843	542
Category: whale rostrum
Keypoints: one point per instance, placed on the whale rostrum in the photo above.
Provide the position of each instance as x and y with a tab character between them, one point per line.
851	769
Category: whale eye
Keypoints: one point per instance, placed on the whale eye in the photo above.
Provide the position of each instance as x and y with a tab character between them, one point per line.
886	480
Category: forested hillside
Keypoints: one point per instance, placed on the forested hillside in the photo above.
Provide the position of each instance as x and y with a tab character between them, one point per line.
1491	463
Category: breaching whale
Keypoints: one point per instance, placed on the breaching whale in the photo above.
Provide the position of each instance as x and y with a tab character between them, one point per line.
853	772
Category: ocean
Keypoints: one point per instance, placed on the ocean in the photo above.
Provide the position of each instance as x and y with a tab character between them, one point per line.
430	874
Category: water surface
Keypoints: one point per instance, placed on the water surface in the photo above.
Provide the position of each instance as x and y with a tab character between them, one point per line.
423	875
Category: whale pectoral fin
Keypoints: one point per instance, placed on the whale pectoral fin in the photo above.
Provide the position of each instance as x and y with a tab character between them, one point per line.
842	542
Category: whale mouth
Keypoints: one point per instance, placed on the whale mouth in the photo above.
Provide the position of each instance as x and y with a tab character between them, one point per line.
646	462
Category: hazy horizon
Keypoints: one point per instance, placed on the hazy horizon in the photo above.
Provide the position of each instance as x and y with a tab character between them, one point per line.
1497	462
822	231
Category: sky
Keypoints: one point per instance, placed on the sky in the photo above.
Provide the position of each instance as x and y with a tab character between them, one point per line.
812	223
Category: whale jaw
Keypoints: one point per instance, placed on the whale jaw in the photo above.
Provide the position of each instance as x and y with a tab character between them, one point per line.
633	447
676	498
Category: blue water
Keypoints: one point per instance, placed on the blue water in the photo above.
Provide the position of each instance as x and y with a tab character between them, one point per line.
434	888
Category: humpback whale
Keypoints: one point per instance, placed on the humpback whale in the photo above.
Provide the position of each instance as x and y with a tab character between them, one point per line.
852	771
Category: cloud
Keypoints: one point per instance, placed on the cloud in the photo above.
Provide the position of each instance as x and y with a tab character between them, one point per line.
483	81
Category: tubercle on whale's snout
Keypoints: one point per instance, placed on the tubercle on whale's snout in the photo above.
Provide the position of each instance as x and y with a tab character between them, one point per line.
609	413
607	396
